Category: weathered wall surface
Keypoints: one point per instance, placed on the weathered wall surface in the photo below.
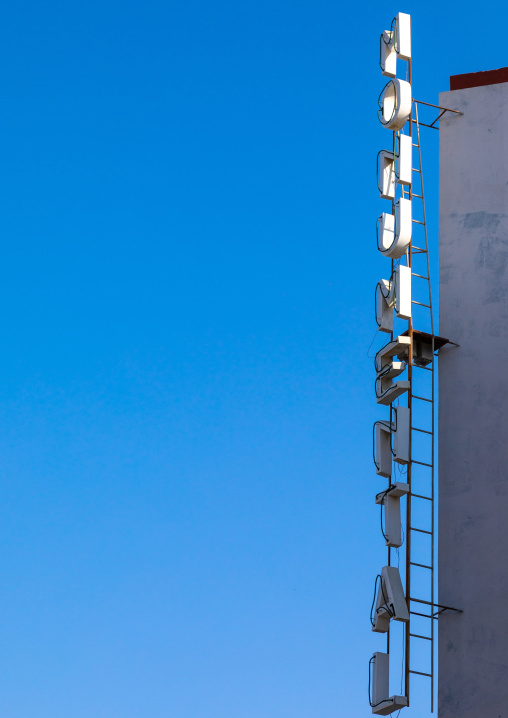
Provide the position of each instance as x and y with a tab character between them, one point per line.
473	404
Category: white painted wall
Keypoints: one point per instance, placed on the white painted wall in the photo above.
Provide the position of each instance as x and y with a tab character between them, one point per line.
473	404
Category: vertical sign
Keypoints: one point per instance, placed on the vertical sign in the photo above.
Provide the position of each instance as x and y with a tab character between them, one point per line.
393	361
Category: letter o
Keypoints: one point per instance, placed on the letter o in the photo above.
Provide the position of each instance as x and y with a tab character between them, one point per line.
395	104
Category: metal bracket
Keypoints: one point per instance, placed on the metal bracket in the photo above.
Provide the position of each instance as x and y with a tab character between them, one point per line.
434	605
433	125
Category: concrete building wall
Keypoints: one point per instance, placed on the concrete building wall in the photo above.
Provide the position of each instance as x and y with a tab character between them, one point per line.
473	404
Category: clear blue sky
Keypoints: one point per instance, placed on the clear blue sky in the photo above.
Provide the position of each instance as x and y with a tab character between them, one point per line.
187	267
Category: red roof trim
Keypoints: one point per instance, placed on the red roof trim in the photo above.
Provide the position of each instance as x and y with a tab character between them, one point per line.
478	79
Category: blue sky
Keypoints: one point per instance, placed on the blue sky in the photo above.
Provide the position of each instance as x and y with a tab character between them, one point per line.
187	270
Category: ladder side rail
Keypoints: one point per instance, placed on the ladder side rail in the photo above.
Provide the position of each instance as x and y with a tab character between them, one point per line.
432	400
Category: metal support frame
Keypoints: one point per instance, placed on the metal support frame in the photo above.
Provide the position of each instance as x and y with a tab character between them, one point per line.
433	125
423	274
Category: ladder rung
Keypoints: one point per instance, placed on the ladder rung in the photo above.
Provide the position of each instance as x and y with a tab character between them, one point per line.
417	195
417	635
421	565
422	398
419	673
420	304
424	431
419	496
422	463
421	531
417	221
422	276
425	615
415	145
415	170
418	249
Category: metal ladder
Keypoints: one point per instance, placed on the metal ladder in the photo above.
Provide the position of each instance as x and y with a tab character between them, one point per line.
417	259
420	271
417	256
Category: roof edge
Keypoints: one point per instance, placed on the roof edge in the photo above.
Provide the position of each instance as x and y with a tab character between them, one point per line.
478	79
